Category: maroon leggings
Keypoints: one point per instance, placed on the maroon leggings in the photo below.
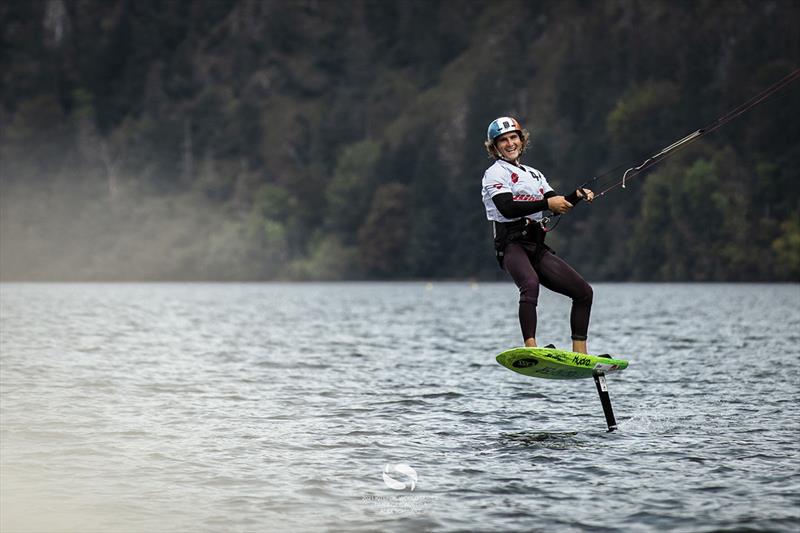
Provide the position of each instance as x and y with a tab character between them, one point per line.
555	274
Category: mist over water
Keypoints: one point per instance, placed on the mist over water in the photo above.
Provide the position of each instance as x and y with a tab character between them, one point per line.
74	231
253	407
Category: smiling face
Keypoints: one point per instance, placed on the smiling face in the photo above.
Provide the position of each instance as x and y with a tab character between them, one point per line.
509	146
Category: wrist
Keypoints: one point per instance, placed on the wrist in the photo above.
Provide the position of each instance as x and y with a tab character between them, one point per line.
574	197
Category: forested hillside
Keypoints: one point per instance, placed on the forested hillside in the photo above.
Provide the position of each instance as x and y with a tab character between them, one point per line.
326	139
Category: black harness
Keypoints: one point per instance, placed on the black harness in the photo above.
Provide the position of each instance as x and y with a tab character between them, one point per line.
525	232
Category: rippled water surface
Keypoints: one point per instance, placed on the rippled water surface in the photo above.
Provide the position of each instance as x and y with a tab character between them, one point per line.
277	407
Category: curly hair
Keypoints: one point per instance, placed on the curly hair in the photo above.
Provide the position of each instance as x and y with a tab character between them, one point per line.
491	149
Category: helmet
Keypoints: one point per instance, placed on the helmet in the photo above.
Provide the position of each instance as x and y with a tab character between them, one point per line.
502	125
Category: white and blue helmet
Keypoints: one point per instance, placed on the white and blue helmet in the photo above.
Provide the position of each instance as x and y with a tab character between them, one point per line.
502	125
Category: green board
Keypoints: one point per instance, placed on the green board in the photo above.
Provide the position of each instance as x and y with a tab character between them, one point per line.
557	364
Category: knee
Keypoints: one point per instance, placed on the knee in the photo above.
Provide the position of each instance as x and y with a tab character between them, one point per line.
529	293
586	295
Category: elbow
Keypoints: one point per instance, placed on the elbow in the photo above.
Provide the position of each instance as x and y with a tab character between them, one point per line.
507	213
503	204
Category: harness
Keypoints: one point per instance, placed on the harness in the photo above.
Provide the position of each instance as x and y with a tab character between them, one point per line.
525	232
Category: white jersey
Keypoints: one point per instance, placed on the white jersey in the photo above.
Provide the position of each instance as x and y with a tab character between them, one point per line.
523	182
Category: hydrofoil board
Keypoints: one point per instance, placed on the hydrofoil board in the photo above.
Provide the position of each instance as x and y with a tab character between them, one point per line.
551	363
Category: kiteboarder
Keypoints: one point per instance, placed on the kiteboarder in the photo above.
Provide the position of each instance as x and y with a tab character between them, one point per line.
516	198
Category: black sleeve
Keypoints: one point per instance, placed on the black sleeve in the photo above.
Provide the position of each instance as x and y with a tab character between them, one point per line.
511	208
573	197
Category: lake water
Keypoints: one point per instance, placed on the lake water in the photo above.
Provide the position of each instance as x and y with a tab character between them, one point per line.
278	407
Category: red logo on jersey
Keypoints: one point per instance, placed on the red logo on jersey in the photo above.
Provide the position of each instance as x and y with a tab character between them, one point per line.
541	191
514	178
498	185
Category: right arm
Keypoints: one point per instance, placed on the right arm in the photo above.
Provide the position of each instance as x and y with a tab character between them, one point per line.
511	208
